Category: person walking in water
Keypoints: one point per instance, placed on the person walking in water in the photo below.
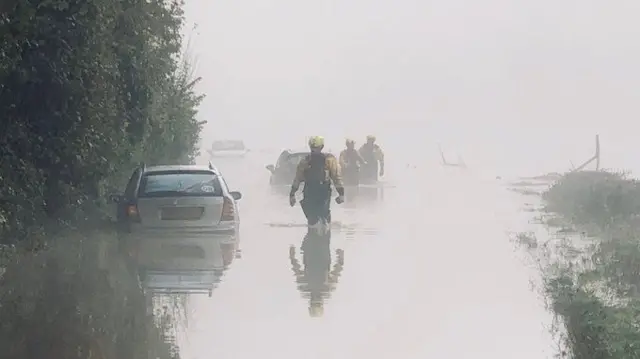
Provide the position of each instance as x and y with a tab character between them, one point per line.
350	163
374	158
317	170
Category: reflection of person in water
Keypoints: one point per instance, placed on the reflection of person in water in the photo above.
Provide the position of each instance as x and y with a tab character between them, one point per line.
317	279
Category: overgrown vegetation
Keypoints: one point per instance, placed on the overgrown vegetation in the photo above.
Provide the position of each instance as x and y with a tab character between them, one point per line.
88	89
593	280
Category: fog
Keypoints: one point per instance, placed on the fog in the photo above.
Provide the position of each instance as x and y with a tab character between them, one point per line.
502	82
515	88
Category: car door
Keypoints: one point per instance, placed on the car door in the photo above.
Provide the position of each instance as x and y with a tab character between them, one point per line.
275	175
290	166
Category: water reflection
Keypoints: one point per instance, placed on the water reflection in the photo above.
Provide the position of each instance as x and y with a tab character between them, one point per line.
363	194
193	276
316	278
169	314
169	283
175	282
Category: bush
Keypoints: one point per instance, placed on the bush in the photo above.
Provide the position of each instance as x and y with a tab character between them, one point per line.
598	300
88	89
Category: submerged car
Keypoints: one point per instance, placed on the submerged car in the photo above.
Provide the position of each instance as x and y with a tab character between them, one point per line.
228	148
284	171
176	216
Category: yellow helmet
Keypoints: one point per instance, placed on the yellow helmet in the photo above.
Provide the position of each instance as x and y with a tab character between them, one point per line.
371	138
316	141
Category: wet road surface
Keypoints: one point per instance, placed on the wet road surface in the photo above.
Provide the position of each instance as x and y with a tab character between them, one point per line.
421	267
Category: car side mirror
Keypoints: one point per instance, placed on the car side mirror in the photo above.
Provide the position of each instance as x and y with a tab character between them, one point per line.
270	168
115	198
236	195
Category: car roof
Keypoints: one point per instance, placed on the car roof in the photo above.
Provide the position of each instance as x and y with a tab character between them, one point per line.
294	153
164	168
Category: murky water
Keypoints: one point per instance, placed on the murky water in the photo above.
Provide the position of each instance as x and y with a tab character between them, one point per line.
420	267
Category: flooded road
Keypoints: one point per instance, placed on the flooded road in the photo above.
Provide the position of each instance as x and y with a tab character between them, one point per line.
421	267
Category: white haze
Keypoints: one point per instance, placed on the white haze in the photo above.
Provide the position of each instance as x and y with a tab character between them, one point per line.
512	86
515	87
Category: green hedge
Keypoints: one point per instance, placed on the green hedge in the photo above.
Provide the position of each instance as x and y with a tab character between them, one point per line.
88	89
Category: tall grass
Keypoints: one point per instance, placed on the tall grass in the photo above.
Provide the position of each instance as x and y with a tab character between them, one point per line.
593	284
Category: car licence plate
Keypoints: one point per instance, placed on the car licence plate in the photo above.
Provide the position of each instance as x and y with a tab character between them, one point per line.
181	213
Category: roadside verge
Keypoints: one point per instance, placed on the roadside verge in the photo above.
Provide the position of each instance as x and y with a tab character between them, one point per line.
591	263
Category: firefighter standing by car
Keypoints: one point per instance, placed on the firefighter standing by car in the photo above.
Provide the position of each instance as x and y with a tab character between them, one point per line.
317	170
374	158
350	163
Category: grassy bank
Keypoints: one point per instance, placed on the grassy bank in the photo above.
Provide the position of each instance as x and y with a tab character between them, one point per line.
76	299
592	279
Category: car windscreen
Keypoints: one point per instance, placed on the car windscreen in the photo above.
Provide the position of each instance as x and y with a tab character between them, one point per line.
180	184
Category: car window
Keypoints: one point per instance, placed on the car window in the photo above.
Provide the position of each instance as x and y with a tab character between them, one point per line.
129	192
224	183
180	184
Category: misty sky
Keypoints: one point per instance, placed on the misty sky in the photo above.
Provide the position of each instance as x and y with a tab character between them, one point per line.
487	79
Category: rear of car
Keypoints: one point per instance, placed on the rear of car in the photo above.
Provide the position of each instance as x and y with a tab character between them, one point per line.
228	148
178	216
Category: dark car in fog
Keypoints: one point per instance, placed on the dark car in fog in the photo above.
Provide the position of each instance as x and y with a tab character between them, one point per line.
284	170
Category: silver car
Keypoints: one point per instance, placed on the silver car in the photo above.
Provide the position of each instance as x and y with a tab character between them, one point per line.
176	216
228	148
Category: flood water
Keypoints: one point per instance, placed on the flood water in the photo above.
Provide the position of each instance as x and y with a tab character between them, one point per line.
421	267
